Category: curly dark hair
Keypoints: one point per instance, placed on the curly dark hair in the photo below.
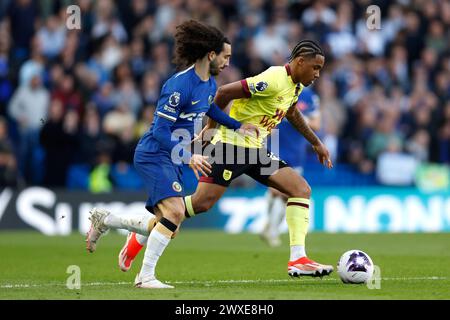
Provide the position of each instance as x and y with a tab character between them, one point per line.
193	40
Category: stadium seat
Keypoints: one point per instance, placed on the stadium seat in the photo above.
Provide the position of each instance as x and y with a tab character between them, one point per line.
78	177
125	177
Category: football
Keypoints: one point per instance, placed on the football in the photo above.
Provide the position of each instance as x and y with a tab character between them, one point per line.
355	266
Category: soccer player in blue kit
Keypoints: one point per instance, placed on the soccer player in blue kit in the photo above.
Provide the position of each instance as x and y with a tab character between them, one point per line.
203	52
292	149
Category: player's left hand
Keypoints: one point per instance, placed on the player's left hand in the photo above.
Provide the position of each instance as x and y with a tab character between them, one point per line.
199	163
323	155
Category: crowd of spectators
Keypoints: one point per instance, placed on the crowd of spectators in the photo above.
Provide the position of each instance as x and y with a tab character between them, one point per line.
85	96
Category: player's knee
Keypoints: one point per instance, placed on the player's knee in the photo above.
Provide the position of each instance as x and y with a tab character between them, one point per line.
174	213
175	217
301	190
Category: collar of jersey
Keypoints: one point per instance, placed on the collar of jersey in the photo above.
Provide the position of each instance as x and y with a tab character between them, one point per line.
288	71
198	77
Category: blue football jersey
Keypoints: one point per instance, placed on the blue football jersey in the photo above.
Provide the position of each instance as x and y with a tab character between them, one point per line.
184	100
292	144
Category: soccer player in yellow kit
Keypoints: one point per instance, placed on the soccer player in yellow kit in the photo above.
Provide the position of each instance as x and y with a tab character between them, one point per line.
262	100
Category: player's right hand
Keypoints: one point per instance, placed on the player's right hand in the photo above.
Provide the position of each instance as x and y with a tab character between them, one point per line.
323	155
199	163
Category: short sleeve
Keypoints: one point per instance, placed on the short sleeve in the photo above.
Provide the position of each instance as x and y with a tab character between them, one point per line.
173	96
263	84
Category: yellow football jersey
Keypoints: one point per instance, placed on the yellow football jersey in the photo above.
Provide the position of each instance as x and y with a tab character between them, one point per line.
269	96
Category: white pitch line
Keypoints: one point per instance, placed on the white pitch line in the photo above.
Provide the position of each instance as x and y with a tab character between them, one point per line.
290	280
209	283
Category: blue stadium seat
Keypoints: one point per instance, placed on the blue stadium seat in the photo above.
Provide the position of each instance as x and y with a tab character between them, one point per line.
125	177
78	177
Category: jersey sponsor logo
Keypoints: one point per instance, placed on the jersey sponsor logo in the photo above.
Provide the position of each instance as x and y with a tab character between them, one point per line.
190	116
227	174
268	123
279	114
261	86
195	102
169	109
174	99
176	186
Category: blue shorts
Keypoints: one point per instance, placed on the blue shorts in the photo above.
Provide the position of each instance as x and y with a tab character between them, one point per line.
162	178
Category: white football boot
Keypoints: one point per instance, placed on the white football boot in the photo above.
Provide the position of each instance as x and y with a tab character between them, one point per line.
151	283
97	229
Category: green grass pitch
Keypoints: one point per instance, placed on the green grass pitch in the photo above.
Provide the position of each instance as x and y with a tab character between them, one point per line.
214	265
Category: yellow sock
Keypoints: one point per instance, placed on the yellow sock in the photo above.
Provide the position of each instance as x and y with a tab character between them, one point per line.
189	208
297	218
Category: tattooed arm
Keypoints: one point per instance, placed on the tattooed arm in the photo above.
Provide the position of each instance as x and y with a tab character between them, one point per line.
299	122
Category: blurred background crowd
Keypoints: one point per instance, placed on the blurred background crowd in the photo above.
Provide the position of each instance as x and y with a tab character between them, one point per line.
73	103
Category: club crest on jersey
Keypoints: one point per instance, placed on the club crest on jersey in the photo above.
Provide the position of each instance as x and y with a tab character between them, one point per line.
176	186
227	174
261	86
174	99
210	99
